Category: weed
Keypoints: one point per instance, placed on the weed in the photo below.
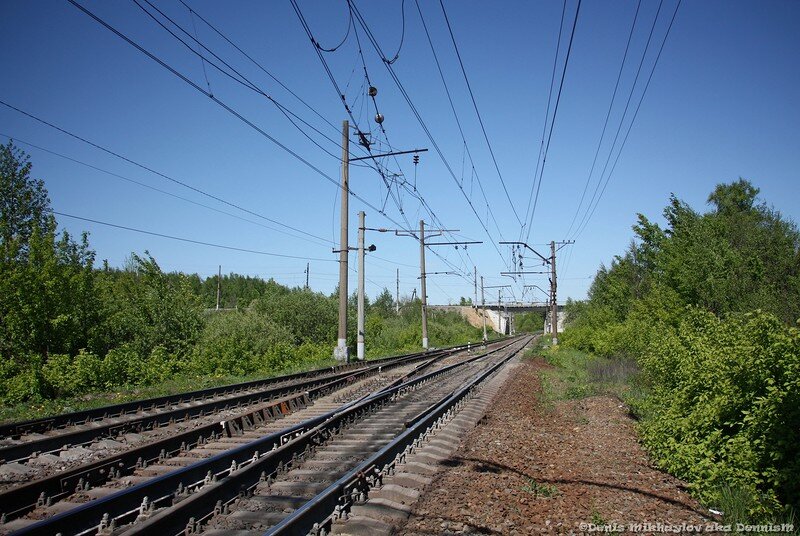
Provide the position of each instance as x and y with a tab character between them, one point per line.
597	519
538	489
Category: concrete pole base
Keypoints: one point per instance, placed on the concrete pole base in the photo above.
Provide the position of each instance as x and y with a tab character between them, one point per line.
340	352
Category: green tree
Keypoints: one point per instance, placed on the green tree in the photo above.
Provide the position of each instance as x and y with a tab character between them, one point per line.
146	308
24	205
46	283
384	304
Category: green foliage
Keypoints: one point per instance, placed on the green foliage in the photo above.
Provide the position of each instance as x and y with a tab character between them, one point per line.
24	205
70	330
577	374
539	489
146	308
707	307
310	317
725	406
529	322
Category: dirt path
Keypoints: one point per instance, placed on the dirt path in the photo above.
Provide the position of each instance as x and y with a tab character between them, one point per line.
532	467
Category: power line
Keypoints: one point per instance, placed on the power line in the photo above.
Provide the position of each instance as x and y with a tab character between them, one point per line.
402	32
144	185
344	39
455	114
395	78
242	79
546	116
608	115
553	122
158	173
259	65
478	113
633	119
622	119
191	241
149	187
226	107
326	67
415	193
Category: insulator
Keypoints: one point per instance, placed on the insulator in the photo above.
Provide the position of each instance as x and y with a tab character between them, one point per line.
416	159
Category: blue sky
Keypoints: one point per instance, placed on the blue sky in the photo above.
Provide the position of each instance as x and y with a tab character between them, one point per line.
722	104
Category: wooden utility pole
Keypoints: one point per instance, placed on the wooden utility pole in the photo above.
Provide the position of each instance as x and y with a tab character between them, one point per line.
219	285
423	293
340	352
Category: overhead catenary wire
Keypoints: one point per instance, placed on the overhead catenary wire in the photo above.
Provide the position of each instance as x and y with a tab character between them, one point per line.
437	148
158	173
225	106
259	65
455	115
546	118
309	33
622	118
191	241
290	116
402	184
335	84
608	115
478	113
246	81
633	119
343	40
402	32
237	76
553	122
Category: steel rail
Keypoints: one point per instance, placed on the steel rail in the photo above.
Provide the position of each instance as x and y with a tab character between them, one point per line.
43	492
44	424
232	483
319	513
163	416
231	470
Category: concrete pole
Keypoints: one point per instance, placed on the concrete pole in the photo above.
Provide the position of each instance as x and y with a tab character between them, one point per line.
340	352
499	314
397	293
360	346
553	302
475	284
483	303
219	284
308	271
423	293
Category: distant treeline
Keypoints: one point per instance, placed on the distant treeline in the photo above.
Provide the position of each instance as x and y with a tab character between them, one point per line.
708	306
69	327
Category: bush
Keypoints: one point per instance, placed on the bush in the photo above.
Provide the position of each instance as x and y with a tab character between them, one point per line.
240	342
725	407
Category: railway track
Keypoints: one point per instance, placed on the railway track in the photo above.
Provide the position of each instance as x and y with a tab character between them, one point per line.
20	441
178	444
278	466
